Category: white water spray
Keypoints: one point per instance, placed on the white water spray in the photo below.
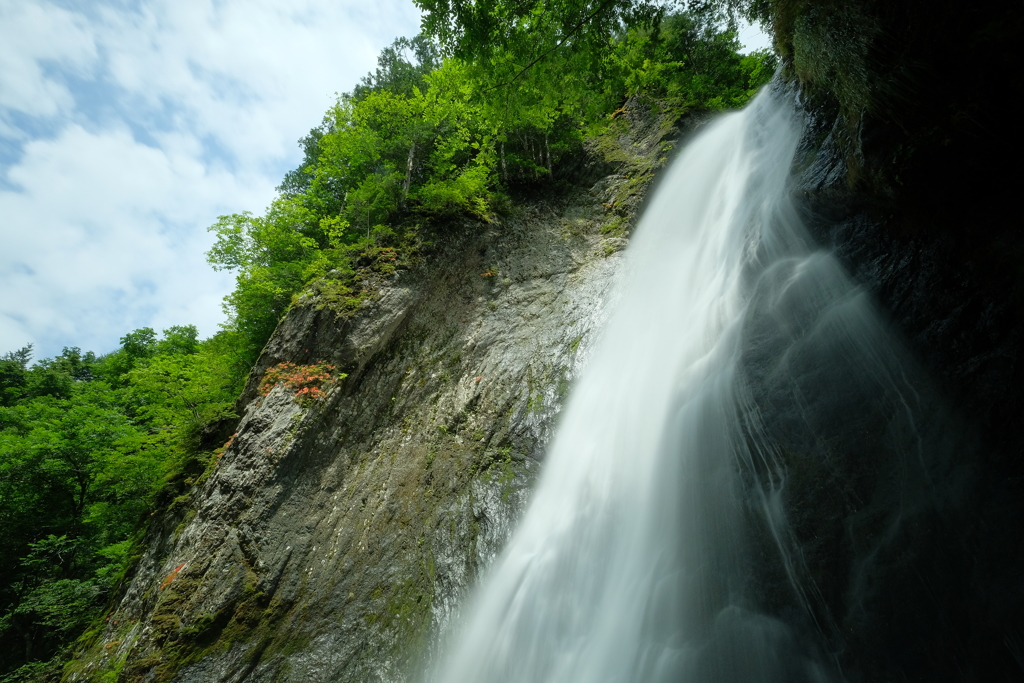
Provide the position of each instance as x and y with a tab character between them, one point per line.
628	565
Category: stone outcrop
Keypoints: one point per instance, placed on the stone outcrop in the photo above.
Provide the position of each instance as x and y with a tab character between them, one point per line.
335	536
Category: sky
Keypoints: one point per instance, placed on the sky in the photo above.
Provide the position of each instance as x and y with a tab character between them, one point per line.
128	126
753	37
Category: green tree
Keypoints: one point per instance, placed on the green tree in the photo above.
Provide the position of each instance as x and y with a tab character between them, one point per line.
85	445
401	68
13	374
297	180
52	452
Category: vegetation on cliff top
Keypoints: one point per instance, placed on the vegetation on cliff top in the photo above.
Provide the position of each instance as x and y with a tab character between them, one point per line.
425	140
91	446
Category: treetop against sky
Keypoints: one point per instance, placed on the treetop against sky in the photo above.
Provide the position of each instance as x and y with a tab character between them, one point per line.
126	128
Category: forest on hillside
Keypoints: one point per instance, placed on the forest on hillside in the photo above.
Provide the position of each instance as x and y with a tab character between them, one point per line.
453	128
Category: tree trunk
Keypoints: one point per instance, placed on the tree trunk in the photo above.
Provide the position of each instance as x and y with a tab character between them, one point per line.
547	153
408	173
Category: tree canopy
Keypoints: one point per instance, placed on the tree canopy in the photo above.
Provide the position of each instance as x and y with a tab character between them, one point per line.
86	444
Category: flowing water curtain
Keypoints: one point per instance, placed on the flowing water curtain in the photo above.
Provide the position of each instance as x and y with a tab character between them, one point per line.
640	556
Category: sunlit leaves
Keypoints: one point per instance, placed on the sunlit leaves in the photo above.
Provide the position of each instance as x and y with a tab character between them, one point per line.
79	469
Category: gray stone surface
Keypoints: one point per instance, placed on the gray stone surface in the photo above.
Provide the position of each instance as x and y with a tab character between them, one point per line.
334	540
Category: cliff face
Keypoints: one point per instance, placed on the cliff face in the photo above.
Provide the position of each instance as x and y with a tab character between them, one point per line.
333	534
905	489
335	537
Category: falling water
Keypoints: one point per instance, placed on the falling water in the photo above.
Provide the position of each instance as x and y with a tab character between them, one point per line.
633	560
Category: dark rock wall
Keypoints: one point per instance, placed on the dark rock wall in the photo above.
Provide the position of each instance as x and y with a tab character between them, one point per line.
904	490
948	604
905	520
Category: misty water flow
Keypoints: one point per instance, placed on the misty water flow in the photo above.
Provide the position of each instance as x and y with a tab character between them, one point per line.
633	561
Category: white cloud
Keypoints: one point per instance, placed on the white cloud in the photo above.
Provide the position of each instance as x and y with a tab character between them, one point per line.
240	71
156	117
104	234
753	37
36	36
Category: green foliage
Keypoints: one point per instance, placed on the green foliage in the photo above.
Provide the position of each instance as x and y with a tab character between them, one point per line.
517	34
401	68
13	374
85	445
274	255
685	61
297	180
50	377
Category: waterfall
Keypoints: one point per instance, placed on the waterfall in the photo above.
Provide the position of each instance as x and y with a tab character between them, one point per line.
634	559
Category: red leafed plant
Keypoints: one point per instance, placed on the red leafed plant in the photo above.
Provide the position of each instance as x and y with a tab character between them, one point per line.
172	575
220	451
307	381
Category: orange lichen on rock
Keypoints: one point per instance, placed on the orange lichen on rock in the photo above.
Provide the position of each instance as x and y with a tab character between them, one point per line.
172	575
307	381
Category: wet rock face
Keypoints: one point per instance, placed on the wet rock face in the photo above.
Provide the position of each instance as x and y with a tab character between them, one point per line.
902	492
336	536
914	200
